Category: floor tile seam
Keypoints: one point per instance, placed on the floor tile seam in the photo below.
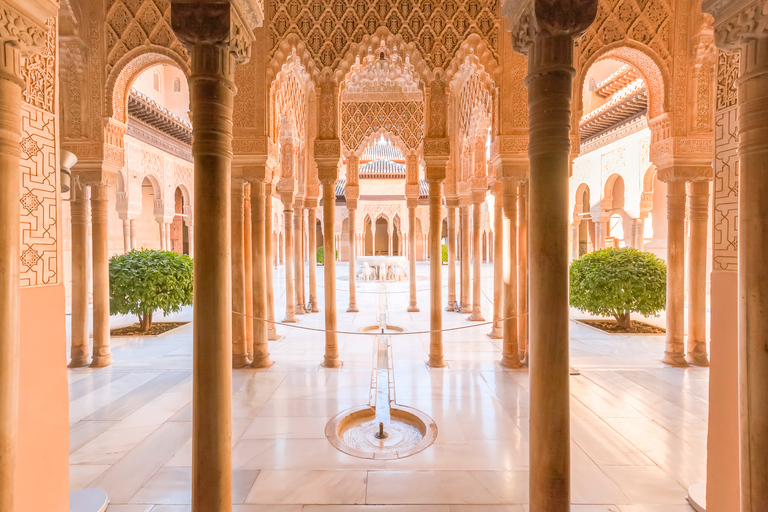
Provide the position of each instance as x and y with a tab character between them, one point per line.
103	395
648	386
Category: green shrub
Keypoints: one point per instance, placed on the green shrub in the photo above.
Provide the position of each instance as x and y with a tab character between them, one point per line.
142	282
617	282
320	254
444	250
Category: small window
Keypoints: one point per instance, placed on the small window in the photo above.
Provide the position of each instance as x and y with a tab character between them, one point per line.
157	80
176	85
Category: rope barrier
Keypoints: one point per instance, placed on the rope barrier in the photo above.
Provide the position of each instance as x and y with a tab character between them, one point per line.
352	333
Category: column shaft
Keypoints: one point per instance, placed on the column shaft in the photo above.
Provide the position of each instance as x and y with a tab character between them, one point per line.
697	274
102	356
464	264
413	306
134	235
270	264
126	235
312	255
290	303
451	258
79	214
331	359
497	329
298	256
352	262
248	276
674	352
435	279
522	273
10	152
477	249
163	246
260	343
549	96
239	342
510	354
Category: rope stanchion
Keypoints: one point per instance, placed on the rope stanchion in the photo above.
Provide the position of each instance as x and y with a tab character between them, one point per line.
352	333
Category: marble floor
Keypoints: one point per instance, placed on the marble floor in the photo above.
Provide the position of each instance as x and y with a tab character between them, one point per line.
638	428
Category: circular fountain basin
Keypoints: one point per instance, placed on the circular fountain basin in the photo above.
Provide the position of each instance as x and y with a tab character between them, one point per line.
353	432
388	328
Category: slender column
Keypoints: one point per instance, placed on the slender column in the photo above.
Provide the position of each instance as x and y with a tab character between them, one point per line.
674	352
352	261
190	234
298	256
697	274
79	214
269	251
575	240
510	357
10	152
239	343
522	272
435	279
477	249
312	255
550	83
260	343
497	330
102	356
640	244
248	276
464	266
331	359
163	237
413	306
211	93
290	303
126	235
389	242
451	257
134	236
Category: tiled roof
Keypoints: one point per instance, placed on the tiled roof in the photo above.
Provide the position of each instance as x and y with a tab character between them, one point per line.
382	169
626	104
423	188
143	108
382	152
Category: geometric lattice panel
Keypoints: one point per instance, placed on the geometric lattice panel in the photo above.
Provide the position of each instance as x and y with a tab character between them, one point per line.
38	200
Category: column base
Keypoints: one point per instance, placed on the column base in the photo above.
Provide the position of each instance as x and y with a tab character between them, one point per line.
413	308
290	319
240	361
698	359
352	308
476	316
464	308
78	362
300	309
496	333
272	334
262	362
512	362
101	361
524	358
436	362
331	362
450	306
315	308
674	359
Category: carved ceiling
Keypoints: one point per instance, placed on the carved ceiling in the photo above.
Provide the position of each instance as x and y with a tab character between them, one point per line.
329	28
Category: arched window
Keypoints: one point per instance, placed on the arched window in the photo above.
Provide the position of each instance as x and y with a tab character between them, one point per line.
176	85
156	76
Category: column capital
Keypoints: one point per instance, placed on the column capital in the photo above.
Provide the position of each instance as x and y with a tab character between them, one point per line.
311	202
411	202
533	19
685	172
452	202
737	22
22	32
209	23
327	152
255	173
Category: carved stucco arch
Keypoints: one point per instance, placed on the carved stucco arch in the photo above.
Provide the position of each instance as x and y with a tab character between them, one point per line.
476	47
646	196
185	194
291	45
578	205
607	199
289	77
127	70
374	136
646	62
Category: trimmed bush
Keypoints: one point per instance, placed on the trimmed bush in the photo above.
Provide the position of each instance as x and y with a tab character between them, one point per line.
320	254
142	282
619	281
444	250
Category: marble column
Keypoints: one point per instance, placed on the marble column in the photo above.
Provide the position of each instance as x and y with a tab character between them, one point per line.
298	254
134	236
674	351
239	342
549	45
465	243
312	255
331	359
168	241
80	337
126	234
497	329
190	237
389	242
248	276
161	224
477	291
436	359
451	256
290	303
102	356
260	342
269	251
698	201
413	306
212	89
510	354
575	240
352	256
522	272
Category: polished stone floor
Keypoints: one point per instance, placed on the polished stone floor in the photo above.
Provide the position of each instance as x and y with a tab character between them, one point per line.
638	427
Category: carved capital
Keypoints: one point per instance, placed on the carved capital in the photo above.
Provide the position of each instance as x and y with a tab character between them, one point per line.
412	190
327	153
532	19
351	192
737	22
22	32
207	23
328	175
